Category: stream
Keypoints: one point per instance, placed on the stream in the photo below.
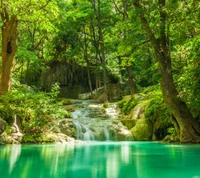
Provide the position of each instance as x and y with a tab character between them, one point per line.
94	122
104	156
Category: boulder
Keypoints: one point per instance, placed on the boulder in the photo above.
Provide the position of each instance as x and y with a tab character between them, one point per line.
11	139
124	135
2	125
66	127
119	132
84	96
99	134
142	130
60	138
129	123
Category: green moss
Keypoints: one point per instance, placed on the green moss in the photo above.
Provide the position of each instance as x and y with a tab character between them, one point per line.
37	138
105	105
127	104
156	109
67	102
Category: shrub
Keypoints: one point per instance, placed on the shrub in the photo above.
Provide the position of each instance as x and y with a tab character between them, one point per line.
36	111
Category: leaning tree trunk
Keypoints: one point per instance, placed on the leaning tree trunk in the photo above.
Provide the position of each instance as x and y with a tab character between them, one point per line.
188	127
9	48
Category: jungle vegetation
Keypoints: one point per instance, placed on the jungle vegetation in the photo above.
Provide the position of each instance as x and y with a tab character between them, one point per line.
138	43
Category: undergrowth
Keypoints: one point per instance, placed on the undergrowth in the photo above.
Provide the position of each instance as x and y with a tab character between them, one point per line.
36	111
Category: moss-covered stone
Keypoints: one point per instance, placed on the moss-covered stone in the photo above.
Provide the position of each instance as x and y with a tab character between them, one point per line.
66	126
150	111
142	130
129	123
67	101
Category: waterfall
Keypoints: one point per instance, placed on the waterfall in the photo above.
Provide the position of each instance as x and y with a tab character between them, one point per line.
17	132
137	112
111	111
83	131
106	133
78	129
93	122
88	135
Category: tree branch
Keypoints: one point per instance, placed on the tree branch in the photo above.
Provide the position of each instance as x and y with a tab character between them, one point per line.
116	7
134	48
146	27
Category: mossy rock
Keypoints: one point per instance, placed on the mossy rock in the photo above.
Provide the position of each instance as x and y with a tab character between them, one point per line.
125	135
66	126
142	130
129	123
67	102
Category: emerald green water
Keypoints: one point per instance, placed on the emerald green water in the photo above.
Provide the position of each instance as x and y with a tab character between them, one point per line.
100	160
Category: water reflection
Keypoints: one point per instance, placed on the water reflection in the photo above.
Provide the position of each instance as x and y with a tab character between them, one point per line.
100	160
15	151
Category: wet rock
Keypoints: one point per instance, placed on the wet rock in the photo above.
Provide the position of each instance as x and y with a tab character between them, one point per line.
99	134
124	135
66	127
61	138
11	139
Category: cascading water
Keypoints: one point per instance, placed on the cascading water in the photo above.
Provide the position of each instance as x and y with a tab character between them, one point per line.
15	126
78	129
106	133
92	121
83	132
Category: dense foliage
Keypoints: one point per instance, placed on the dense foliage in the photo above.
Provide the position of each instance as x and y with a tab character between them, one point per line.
36	112
118	41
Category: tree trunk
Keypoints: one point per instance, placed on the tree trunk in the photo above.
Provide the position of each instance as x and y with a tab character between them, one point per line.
129	66
9	48
120	68
96	8
87	62
130	80
188	127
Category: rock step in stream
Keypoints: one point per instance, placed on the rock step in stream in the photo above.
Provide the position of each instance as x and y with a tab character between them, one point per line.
94	122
